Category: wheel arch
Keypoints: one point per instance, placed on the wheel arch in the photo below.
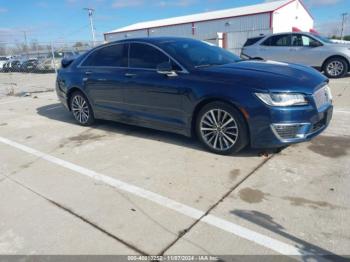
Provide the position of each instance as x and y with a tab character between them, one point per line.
71	91
335	56
206	101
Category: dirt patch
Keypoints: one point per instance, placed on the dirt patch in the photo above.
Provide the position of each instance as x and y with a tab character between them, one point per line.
85	137
251	196
290	171
329	146
299	201
234	174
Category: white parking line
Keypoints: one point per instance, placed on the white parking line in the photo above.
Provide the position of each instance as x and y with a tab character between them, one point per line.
191	212
342	111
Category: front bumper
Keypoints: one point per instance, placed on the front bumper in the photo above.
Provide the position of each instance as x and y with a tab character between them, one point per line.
279	127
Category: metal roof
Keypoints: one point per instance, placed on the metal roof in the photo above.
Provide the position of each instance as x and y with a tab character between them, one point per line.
238	11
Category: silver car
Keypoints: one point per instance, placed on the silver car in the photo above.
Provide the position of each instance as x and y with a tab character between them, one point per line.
301	48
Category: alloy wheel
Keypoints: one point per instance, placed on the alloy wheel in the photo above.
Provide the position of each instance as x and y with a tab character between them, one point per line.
335	68
219	129
80	109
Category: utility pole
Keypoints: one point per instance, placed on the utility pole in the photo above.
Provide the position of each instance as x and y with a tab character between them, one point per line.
344	15
91	14
25	43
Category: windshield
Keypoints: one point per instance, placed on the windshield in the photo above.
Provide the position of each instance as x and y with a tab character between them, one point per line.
198	54
323	39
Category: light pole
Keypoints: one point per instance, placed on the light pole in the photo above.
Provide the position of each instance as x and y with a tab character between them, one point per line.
25	43
344	15
91	13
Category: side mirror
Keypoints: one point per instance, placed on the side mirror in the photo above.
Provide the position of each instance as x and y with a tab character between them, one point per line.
166	69
315	44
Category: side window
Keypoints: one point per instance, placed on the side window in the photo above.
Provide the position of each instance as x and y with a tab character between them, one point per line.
297	40
114	55
278	40
145	56
308	41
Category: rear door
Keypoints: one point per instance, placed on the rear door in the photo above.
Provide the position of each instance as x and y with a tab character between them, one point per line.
104	77
153	99
276	48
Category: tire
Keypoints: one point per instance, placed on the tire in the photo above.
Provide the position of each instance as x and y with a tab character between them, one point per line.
336	67
81	109
221	128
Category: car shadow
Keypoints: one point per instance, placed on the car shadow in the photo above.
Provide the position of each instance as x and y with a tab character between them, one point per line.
308	251
58	113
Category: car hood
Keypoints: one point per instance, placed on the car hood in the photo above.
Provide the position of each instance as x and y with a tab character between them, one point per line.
274	76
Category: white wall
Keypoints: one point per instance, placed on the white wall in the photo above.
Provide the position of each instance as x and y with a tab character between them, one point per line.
120	36
203	30
292	15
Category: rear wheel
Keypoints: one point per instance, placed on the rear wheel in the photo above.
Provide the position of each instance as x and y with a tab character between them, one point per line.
335	67
81	109
221	128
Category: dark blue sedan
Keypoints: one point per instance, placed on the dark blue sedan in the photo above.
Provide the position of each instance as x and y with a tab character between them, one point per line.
190	87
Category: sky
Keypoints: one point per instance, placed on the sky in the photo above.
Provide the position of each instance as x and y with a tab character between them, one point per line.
67	21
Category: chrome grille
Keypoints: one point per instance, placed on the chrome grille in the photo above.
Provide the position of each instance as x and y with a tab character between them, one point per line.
288	131
322	96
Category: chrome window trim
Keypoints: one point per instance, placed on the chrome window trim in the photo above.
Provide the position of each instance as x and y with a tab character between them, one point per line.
183	69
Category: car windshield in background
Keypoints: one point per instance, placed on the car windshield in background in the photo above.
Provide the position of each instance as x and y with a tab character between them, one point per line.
198	54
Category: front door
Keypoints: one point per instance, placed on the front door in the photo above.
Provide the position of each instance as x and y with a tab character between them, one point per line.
306	50
154	99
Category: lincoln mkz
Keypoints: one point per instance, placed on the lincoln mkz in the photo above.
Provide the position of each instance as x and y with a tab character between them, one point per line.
193	88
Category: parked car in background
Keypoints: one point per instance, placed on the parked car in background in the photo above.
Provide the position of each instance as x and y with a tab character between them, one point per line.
301	48
49	64
3	61
192	88
54	63
29	65
13	65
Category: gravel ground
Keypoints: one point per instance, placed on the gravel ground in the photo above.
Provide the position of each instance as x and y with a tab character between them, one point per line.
20	84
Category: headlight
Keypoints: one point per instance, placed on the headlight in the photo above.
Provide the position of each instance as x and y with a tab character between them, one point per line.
282	99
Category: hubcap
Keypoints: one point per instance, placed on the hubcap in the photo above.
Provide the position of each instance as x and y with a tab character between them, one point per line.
80	109
335	68
219	129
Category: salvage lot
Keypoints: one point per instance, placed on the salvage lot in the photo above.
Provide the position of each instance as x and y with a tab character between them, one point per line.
117	189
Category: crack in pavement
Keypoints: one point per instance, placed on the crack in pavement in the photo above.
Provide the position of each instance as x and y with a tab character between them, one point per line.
80	217
185	231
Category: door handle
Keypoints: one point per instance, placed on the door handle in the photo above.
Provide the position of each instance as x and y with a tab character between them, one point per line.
88	73
130	75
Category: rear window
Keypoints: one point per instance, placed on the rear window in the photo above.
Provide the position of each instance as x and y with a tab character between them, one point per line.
252	41
113	55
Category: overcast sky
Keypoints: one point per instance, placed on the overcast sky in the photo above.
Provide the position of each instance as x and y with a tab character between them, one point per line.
65	20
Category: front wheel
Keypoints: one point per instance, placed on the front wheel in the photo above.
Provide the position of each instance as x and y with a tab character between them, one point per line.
335	67
81	109
221	128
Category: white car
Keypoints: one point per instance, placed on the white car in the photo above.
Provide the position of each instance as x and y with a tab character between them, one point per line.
301	48
3	61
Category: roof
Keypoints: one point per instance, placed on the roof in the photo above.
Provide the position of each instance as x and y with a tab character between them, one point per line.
232	12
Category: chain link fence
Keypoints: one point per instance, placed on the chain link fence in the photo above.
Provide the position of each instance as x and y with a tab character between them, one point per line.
38	58
26	70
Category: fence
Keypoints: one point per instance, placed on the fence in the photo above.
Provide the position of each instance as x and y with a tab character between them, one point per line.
38	57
